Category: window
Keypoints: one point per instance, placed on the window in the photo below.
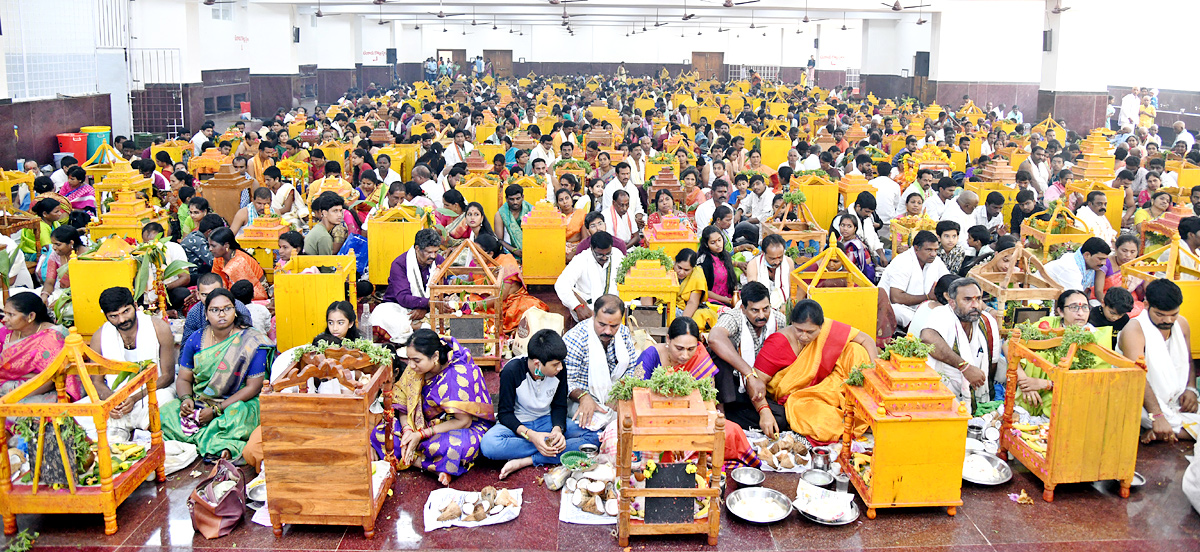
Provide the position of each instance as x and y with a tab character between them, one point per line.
223	11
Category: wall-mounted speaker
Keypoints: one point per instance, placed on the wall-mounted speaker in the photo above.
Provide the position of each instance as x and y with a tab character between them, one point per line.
295	35
391	56
816	43
1047	39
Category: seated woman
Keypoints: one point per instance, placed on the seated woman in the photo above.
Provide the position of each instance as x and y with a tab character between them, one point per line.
443	408
848	241
1033	384
221	372
683	352
692	192
29	340
415	196
716	264
1125	249
454	224
531	409
604	170
64	240
921	318
692	290
664	206
1160	203
572	216
514	296
232	263
754	163
808	362
474	223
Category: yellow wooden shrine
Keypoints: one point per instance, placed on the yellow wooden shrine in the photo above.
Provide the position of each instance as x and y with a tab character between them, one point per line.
111	265
1060	229
1025	278
1095	416
391	233
919	431
832	279
1174	262
126	216
102	162
544	244
302	299
671	234
649	278
469	284
76	359
820	197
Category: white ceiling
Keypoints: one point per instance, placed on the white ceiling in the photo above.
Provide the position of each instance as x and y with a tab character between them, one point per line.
635	13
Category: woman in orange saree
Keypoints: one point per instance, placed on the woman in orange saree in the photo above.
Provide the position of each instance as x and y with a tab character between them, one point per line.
232	263
514	298
808	361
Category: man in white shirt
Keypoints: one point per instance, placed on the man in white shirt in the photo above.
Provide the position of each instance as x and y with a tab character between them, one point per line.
991	213
621	221
587	277
383	168
935	205
910	278
1130	104
433	190
458	151
757	206
923	185
205	135
1181	133
623	181
637	164
887	194
544	150
704	212
1036	166
773	269
1077	269
793	161
1015	114
962	211
1091	217
966	341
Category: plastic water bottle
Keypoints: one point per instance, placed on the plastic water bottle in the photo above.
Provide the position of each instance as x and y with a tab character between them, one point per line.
364	324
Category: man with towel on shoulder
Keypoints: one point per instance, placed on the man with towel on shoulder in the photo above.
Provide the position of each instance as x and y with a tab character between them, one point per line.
600	351
1163	337
406	300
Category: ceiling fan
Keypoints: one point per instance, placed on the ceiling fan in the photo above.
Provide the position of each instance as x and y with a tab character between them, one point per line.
720	25
844	27
557	2
319	12
656	23
381	21
214	2
921	17
731	3
464	31
686	15
752	22
473	16
442	15
1058	8
806	18
897	7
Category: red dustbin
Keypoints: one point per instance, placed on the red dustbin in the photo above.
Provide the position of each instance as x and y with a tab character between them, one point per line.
74	143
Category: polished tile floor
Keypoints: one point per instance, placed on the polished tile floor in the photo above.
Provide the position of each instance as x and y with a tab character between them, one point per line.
1082	517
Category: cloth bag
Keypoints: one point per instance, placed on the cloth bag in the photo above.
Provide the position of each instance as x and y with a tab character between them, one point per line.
217	519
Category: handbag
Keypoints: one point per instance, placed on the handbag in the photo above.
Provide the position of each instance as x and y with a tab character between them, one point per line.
217	519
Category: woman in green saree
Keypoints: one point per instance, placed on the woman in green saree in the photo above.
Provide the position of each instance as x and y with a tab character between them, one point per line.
1034	385
221	372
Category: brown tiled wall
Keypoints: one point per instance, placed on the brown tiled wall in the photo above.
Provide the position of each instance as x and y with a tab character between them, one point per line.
39	122
1083	111
1025	95
332	83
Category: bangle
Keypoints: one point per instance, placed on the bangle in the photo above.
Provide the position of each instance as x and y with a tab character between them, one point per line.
1157	416
764	406
1193	390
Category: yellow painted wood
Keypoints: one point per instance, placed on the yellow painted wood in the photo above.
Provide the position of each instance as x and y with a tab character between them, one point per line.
486	195
857	307
89	278
822	199
387	240
982	189
544	244
302	299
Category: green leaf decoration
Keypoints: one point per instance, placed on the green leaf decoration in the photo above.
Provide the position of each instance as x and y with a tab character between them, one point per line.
665	382
636	254
908	346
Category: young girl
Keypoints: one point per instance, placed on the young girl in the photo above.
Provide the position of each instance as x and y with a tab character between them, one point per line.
717	265
291	243
340	324
63	241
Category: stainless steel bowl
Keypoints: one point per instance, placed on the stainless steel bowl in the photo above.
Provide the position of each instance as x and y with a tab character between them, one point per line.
748	477
742	502
819	478
1000	465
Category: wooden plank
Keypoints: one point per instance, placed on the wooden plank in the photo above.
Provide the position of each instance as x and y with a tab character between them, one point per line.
1068	421
309	403
1098	398
330	421
319	506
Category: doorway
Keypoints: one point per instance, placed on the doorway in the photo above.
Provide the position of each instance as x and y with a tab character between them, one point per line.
459	57
708	64
502	64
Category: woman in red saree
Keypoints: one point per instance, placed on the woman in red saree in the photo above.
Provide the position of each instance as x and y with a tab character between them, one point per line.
29	341
514	298
233	264
683	352
808	362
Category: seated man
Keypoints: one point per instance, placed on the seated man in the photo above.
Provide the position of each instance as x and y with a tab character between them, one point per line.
589	276
1164	338
594	222
622	222
773	269
910	278
808	362
966	341
531	409
1077	269
509	217
735	343
196	320
406	300
131	336
1092	217
599	352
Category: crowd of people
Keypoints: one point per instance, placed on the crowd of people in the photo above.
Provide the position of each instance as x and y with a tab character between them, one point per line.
777	360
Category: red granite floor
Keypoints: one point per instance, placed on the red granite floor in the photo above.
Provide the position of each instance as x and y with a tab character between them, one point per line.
1082	517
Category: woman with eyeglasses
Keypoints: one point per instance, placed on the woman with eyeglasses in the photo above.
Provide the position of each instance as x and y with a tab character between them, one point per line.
1033	384
221	372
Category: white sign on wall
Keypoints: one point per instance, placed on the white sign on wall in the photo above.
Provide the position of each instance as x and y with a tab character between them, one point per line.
373	56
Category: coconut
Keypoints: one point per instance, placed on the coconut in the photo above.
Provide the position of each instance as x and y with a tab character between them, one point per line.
577	498
595	487
571	485
592	505
488	494
496	509
785	461
451	511
610	507
506	498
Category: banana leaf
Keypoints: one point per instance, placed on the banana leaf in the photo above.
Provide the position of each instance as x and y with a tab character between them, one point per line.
8	260
142	279
176	268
